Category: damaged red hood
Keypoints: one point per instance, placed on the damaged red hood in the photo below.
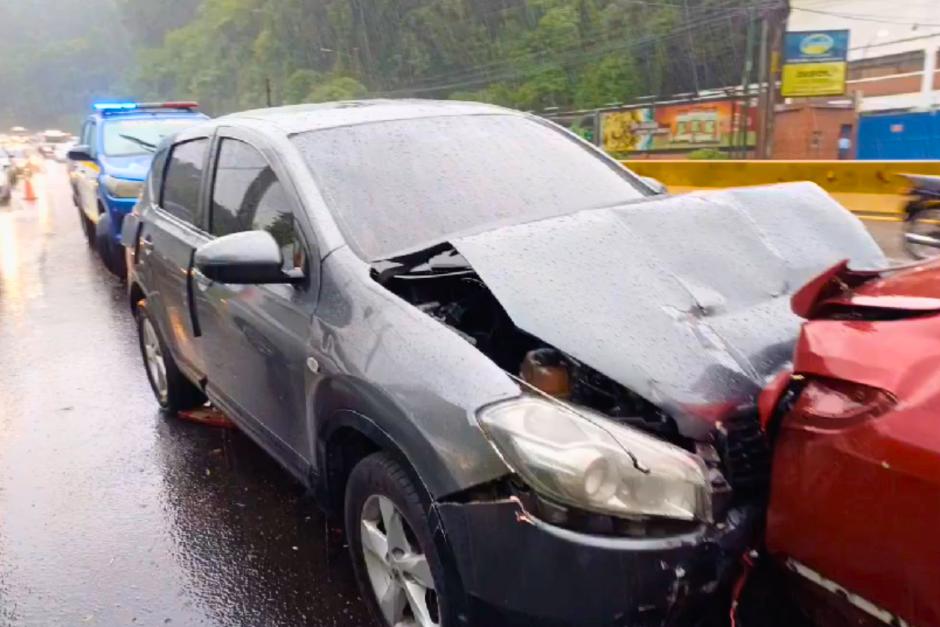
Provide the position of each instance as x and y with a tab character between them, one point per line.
913	287
854	331
685	300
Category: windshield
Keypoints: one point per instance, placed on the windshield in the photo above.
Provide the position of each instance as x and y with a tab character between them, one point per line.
395	186
123	138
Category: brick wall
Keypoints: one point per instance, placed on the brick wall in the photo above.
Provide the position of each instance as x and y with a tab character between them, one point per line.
811	131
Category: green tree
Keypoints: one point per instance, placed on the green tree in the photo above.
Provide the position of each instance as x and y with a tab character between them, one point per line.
300	84
338	88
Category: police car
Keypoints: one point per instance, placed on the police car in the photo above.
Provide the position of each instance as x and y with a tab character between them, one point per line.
111	161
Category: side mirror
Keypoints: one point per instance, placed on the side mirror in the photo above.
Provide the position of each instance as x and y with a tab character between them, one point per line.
249	257
81	152
655	185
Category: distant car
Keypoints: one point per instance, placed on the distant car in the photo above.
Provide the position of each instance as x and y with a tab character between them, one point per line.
19	155
855	493
524	380
111	161
7	178
50	140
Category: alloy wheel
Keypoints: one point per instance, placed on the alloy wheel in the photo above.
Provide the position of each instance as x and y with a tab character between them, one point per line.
398	570
153	356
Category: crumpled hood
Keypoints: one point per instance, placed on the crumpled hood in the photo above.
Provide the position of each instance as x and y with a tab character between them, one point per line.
684	300
134	167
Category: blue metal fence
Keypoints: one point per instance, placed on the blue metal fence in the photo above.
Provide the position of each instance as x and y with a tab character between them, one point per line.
899	136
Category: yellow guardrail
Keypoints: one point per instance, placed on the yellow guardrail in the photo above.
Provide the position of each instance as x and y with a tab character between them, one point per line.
872	189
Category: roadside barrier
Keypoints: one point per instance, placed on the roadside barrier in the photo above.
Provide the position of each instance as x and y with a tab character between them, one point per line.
874	190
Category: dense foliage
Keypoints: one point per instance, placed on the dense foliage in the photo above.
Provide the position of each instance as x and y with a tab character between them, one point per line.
236	54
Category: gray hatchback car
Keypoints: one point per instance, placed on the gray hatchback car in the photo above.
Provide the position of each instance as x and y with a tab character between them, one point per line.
523	381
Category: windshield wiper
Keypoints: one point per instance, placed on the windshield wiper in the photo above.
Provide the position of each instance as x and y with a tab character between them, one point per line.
139	141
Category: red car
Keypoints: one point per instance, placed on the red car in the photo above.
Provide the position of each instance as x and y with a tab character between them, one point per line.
854	510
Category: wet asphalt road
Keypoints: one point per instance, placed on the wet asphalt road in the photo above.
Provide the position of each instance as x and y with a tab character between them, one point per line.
110	513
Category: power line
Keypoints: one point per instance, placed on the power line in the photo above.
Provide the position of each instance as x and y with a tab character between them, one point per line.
865	18
475	71
473	77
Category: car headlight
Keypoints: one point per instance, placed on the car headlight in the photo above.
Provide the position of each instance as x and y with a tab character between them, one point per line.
122	188
590	462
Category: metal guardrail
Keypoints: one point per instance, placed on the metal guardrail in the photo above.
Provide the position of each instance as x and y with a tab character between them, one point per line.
871	189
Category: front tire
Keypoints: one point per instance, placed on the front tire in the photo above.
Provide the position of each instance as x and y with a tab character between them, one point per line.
396	563
173	391
109	251
88	227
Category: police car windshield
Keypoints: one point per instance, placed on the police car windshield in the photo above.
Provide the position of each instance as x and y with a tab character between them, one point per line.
124	138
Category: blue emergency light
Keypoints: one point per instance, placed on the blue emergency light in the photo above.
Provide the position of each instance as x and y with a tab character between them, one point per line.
114	107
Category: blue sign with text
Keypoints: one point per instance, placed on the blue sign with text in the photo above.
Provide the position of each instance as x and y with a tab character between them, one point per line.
818	46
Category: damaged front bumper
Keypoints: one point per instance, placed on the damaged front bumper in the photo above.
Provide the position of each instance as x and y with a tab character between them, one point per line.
518	570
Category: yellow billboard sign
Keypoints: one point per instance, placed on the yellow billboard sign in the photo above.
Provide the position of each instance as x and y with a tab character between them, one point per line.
813	79
814	63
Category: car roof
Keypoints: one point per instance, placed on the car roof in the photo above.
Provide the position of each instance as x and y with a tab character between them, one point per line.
309	117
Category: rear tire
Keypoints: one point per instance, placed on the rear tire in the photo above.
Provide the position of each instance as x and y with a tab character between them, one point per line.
173	391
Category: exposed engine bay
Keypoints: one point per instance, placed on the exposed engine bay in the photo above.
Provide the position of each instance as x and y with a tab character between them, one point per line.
447	289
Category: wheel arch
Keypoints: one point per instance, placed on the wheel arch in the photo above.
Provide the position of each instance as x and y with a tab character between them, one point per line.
347	438
435	438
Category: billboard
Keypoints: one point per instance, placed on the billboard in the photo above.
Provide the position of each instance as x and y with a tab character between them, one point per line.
814	63
677	127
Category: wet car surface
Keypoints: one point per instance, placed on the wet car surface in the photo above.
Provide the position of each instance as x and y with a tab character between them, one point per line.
110	513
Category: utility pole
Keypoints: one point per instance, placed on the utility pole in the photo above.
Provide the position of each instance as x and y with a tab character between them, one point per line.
688	31
267	90
746	84
775	19
763	88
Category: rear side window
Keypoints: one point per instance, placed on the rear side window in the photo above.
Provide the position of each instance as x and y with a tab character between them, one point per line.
183	178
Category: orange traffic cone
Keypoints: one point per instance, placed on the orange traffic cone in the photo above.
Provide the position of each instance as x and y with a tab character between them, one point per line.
28	192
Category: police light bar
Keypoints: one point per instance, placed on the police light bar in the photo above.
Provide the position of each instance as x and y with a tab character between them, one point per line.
113	107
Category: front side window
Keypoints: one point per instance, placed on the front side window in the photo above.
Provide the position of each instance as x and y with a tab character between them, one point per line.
138	136
183	179
247	195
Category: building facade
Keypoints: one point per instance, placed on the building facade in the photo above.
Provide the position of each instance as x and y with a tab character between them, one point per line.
893	71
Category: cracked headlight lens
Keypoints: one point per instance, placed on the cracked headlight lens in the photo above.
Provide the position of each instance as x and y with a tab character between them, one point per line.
585	460
122	188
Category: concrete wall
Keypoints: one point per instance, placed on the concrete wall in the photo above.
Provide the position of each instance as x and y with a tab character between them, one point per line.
873	189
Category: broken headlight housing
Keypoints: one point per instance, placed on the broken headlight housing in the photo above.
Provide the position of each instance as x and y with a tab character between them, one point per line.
584	460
